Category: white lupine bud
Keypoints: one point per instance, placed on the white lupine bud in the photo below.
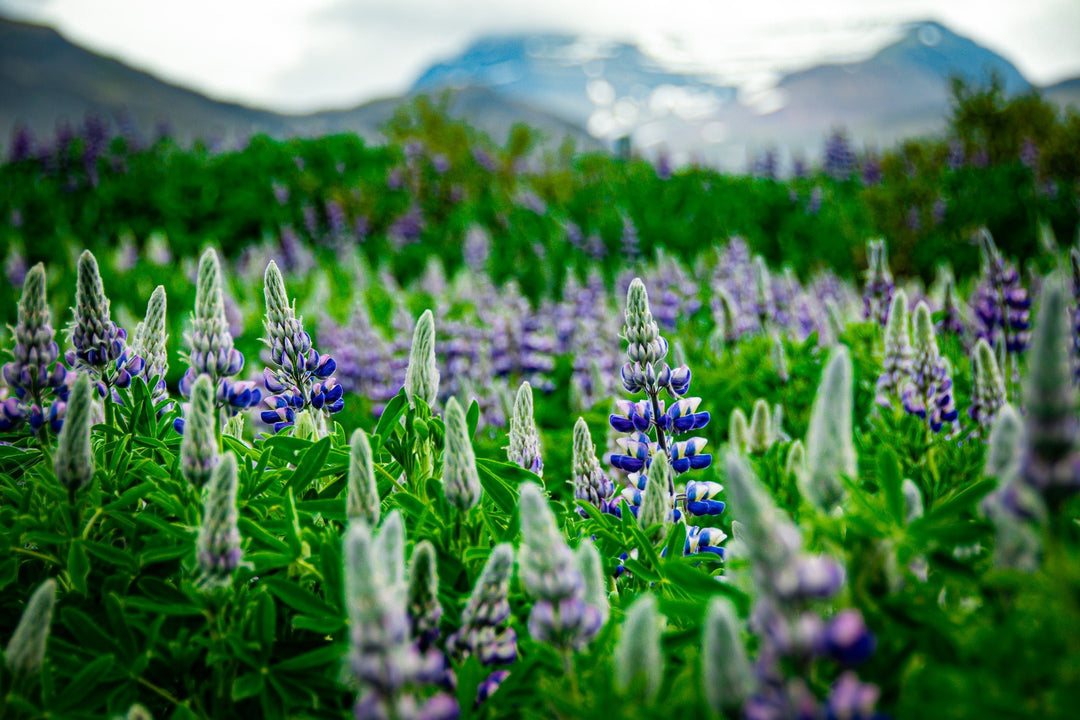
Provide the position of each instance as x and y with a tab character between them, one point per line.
726	673
738	431
524	447
830	443
422	375
25	652
461	482
639	663
760	432
362	499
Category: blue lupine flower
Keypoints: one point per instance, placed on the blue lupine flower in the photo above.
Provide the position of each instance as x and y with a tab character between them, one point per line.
646	371
929	393
40	382
299	376
210	348
100	345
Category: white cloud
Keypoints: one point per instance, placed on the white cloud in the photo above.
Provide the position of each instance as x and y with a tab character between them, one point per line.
300	56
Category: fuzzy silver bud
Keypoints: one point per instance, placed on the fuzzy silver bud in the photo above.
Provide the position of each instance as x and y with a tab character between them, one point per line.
362	498
461	482
25	651
525	447
422	375
638	656
218	544
726	673
830	442
74	460
199	448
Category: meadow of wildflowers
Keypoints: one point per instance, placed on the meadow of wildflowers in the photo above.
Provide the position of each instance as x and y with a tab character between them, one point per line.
297	482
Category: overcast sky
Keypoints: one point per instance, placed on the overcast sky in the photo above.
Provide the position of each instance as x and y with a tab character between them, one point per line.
302	55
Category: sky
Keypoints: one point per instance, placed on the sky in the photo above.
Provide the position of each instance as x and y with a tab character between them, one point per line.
306	55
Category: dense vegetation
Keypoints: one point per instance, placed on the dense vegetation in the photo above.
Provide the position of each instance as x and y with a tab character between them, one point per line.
476	470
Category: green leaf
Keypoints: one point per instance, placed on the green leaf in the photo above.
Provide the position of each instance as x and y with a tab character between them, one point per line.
326	655
324	625
76	690
311	463
472	417
248	685
111	555
298	598
391	413
78	567
889	471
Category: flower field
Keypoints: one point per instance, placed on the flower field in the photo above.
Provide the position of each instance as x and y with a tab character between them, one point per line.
441	429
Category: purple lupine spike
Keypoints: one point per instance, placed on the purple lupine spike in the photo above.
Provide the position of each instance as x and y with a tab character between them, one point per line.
35	374
298	373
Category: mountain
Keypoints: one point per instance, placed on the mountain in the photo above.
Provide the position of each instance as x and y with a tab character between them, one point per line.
44	79
567	74
1065	93
613	89
594	91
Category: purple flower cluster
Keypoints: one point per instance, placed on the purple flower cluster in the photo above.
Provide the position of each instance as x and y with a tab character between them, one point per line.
791	633
838	159
39	381
100	346
1001	304
299	378
647	372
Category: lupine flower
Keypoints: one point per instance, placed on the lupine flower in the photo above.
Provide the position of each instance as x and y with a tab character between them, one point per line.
1051	463
149	343
210	348
485	631
988	387
34	373
1001	304
951	321
896	363
725	668
383	656
422	376
199	447
929	393
647	372
779	358
1074	265
100	346
739	430
795	464
830	444
838	159
763	296
787	580
362	499
461	483
300	378
550	574
760	431
639	662
74	460
1014	504
657	504
524	447
217	547
25	651
424	608
589	481
592	569
878	292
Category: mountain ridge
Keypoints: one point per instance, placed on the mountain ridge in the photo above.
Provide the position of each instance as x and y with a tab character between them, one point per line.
591	90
